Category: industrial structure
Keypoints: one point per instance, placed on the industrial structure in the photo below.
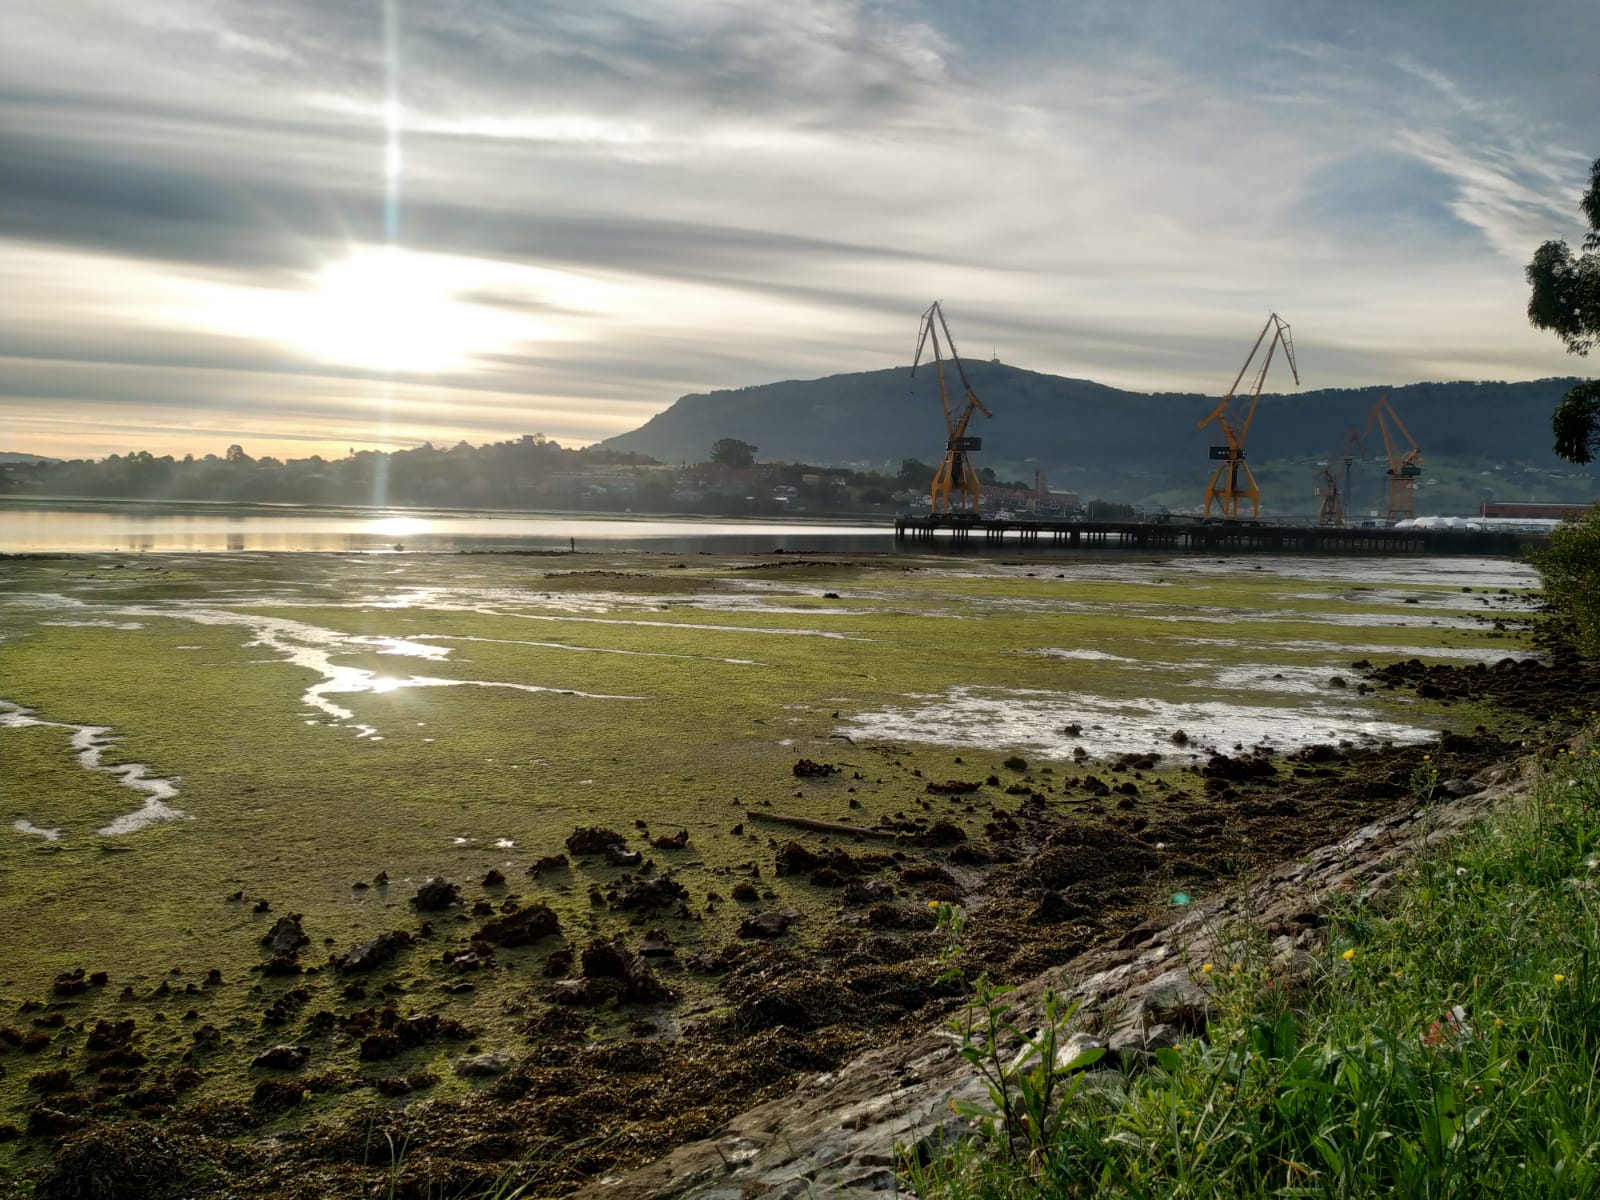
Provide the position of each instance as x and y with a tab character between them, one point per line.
1232	481
1404	465
1334	498
955	473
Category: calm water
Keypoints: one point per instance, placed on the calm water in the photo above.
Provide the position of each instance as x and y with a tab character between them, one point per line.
104	527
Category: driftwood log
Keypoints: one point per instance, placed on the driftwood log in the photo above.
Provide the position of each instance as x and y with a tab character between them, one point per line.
816	826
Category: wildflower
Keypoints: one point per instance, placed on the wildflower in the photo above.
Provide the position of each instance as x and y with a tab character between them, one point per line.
934	904
1427	758
1560	978
1349	954
1499	1024
1461	871
1206	970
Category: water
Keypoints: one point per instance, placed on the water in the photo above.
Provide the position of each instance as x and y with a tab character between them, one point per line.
36	527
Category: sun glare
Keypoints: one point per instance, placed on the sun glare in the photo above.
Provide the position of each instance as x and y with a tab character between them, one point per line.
398	526
394	311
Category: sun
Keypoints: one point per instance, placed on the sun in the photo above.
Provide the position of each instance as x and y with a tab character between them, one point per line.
392	310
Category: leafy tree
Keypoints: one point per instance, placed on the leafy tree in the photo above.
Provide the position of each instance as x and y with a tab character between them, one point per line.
731	452
1571	571
1566	301
914	473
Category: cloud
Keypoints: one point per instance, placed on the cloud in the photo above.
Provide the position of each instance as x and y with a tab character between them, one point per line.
646	200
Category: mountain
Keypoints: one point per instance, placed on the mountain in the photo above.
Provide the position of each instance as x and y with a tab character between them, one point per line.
21	456
1132	446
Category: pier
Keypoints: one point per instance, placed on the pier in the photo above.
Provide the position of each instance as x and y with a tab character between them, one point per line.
960	531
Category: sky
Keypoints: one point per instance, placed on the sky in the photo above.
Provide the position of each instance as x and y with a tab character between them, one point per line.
311	225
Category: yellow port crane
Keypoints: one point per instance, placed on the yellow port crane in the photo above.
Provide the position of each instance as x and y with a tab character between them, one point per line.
1404	466
1232	481
1333	496
955	473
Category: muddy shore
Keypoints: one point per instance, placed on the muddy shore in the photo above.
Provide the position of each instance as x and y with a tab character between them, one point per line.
1038	887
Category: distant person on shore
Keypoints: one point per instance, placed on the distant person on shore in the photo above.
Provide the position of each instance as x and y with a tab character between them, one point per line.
572	545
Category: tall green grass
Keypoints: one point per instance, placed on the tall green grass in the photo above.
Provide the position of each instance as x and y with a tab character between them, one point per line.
1448	1044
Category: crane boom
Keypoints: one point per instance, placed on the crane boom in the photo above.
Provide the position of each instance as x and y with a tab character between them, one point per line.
1234	431
955	473
1404	465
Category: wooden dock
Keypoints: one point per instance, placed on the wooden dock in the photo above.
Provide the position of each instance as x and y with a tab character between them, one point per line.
958	531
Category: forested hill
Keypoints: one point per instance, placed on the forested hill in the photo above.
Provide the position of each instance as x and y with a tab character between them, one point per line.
1104	441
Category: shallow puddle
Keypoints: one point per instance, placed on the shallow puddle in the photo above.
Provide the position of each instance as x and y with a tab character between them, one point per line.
1055	724
91	743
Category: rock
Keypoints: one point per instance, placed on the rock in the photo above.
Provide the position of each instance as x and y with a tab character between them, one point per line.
550	862
1179	738
770	923
282	1058
520	928
806	769
656	944
952	787
676	841
1238	770
593	840
943	833
436	895
70	983
746	893
112	1161
494	878
483	1066
276	1095
621	856
604	960
380	1046
107	1035
651	894
867	891
373	954
1337	681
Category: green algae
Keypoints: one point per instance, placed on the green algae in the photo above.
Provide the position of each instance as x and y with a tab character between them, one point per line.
291	804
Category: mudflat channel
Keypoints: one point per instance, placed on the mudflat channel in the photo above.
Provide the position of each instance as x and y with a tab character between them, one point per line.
593	850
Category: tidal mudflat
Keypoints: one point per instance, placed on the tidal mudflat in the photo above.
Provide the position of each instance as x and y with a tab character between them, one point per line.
228	783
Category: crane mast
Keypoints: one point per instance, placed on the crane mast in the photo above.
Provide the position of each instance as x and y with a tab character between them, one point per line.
955	474
1232	481
1404	465
1334	498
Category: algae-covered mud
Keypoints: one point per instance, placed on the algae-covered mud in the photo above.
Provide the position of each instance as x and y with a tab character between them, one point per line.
597	847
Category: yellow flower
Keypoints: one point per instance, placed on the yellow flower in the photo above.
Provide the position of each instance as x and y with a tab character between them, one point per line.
1427	758
933	904
1349	954
1206	970
1499	1024
1560	978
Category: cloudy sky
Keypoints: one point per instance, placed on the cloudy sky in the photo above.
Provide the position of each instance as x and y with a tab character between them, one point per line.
305	225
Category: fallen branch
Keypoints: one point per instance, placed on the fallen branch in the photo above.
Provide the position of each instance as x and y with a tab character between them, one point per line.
820	826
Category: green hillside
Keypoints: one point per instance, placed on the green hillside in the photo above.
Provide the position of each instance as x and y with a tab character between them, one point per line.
1478	439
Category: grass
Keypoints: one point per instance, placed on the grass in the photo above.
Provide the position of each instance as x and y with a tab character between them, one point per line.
1448	1046
285	805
